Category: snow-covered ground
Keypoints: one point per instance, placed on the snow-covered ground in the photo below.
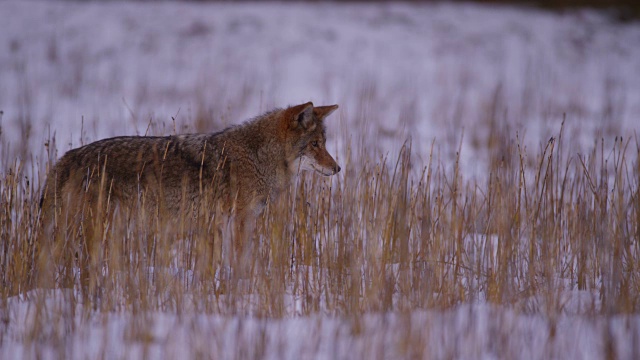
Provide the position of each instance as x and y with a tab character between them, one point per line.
450	72
479	331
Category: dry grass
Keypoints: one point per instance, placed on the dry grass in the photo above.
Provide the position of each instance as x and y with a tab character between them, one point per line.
385	235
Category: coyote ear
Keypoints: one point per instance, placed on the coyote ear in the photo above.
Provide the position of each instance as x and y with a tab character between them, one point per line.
322	112
302	115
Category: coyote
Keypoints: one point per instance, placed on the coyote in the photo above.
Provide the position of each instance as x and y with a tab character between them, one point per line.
239	168
243	166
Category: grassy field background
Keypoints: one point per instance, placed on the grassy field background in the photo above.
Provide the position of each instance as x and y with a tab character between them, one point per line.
487	207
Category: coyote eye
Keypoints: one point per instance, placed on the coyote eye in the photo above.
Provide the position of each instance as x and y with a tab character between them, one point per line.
314	143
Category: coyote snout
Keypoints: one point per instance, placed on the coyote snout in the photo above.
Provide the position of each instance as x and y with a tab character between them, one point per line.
328	168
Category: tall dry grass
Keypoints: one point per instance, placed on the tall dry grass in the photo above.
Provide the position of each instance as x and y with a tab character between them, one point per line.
388	234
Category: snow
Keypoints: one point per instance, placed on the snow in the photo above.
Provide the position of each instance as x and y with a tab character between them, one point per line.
480	331
425	71
85	71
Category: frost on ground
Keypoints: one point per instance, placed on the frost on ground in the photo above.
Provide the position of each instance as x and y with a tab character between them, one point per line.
455	77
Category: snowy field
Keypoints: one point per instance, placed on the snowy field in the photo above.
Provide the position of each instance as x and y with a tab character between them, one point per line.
397	71
479	331
458	77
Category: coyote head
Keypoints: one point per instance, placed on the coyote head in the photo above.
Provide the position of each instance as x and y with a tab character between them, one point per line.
307	139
